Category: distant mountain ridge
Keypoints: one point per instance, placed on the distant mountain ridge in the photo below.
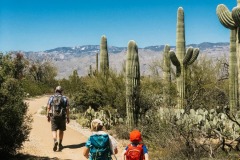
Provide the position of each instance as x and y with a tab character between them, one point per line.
79	58
113	49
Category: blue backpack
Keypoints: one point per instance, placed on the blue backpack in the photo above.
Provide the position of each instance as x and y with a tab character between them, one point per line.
100	147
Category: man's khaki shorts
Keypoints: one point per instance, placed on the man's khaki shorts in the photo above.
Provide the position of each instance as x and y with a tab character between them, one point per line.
58	123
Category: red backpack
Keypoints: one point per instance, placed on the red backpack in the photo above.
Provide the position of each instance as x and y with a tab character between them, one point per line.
134	152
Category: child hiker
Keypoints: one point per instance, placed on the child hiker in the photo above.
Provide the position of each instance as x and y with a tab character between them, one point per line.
100	145
136	150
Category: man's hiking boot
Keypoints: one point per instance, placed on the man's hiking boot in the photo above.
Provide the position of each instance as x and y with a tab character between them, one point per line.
60	147
55	146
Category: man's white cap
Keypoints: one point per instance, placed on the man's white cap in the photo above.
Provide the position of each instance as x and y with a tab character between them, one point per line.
58	88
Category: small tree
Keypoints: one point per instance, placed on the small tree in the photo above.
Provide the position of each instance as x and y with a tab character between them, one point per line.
14	122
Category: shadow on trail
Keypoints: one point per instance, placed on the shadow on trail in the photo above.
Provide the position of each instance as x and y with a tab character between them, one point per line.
75	146
27	157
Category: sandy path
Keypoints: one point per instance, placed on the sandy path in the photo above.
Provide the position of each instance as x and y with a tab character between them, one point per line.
40	140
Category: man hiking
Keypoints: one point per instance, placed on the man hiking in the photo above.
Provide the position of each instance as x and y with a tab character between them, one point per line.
58	114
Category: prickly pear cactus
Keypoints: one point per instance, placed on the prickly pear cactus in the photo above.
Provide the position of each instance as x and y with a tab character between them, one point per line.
231	21
182	59
204	126
88	117
110	117
104	62
132	84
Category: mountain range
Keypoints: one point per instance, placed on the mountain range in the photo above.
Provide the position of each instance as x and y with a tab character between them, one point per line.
79	58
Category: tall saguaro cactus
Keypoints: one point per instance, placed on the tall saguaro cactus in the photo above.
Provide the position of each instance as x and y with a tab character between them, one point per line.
96	63
182	59
166	75
132	84
104	62
231	20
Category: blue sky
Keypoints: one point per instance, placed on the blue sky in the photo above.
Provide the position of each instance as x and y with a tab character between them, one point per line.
38	25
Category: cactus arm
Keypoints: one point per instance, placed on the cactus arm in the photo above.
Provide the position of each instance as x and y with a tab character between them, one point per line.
225	17
188	55
194	56
166	76
174	58
175	62
236	15
166	48
166	59
178	71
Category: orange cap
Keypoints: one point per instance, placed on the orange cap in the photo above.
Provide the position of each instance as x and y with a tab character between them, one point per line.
135	135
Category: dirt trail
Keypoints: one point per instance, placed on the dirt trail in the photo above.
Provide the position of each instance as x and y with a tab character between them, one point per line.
40	140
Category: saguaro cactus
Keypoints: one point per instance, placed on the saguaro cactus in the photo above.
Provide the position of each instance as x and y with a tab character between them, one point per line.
132	84
104	62
90	73
182	59
96	63
231	21
166	75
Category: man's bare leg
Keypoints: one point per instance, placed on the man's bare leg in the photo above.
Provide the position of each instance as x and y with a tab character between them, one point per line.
54	134
61	133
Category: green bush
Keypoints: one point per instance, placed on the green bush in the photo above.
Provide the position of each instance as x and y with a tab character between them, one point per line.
96	91
14	122
36	88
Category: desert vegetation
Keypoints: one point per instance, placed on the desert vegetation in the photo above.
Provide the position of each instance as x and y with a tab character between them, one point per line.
15	124
186	109
168	131
20	79
184	112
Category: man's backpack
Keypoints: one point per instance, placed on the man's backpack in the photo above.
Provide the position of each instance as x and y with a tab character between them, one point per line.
134	152
58	106
100	147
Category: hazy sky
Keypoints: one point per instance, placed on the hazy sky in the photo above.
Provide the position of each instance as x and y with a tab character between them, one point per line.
38	25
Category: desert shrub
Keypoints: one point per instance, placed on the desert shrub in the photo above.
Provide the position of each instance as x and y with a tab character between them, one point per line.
39	78
14	122
33	88
205	87
122	131
73	116
163	136
96	91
